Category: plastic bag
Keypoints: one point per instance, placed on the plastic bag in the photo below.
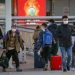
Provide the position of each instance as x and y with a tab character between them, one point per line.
22	56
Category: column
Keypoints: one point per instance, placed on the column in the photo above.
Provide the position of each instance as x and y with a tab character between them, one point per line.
8	21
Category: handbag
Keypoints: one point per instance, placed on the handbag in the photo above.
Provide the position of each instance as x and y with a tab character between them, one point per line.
4	60
22	56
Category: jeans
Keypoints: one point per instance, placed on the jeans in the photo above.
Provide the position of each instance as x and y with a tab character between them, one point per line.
66	61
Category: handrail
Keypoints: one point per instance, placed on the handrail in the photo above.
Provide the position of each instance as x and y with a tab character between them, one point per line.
40	17
36	17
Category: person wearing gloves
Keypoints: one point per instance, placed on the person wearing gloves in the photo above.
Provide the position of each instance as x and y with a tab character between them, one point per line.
45	41
13	42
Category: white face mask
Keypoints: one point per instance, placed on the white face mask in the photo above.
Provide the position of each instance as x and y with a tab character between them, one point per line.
48	24
65	22
43	29
14	30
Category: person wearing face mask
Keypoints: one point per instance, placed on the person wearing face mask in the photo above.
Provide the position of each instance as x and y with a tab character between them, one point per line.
13	42
65	43
52	27
36	33
37	63
45	41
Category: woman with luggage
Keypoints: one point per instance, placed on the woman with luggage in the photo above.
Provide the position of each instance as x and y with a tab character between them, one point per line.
36	34
37	62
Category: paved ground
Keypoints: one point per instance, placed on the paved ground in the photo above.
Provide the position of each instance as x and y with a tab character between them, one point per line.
28	66
38	73
28	69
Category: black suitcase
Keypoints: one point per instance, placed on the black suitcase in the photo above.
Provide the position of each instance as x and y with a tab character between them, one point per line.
38	61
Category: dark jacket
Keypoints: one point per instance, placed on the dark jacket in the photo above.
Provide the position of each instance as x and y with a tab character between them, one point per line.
64	35
73	30
53	29
1	35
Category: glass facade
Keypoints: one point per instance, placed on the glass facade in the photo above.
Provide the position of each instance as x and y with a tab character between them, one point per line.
63	7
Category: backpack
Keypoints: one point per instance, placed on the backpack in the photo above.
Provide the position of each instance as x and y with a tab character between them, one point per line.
47	38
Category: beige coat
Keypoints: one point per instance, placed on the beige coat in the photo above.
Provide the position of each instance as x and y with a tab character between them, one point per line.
18	41
36	34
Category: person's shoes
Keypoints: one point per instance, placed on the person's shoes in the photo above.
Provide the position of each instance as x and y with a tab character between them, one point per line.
19	70
64	70
68	68
4	70
46	67
73	69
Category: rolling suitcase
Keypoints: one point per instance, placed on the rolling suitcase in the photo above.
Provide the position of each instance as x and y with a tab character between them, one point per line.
38	62
56	63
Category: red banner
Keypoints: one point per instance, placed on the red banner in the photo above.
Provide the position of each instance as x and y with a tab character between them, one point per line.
31	7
